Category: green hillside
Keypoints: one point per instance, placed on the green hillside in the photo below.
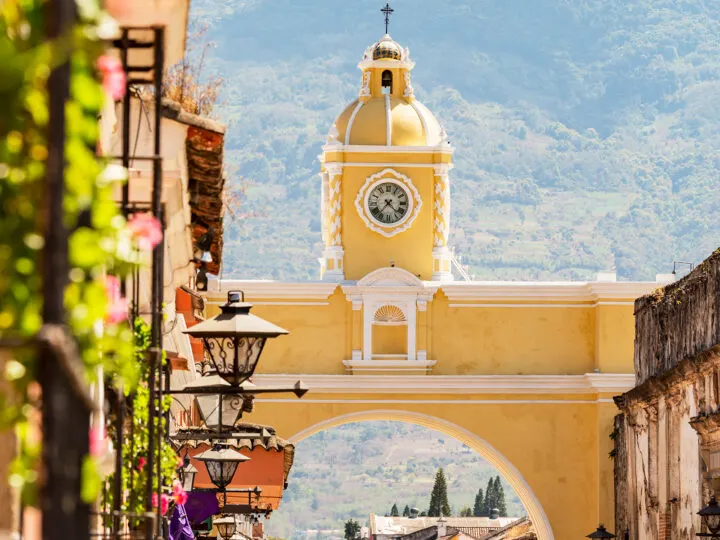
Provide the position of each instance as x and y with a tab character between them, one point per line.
587	133
357	469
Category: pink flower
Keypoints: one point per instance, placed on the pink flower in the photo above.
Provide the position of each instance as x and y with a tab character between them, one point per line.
179	493
117	308
164	502
146	230
97	441
113	76
141	463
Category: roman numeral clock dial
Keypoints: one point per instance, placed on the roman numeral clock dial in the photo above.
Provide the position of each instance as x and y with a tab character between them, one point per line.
388	203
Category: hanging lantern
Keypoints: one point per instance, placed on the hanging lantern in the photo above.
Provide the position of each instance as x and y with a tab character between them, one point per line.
234	340
209	404
221	464
188	476
710	516
226	526
600	532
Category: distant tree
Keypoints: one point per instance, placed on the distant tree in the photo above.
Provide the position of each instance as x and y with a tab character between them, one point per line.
466	511
501	505
489	502
479	503
406	511
352	530
394	512
423	514
439	504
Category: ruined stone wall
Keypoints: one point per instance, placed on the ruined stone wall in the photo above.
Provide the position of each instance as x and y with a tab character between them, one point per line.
678	321
667	437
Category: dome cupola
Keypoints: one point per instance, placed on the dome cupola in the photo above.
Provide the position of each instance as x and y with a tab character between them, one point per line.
386	49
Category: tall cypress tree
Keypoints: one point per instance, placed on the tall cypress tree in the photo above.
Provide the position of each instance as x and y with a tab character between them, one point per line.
501	505
406	511
479	503
489	503
394	512
439	504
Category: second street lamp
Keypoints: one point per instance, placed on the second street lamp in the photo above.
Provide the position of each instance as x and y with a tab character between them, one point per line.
209	405
221	463
234	340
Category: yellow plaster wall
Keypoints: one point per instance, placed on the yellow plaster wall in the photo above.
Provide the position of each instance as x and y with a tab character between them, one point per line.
318	340
389	340
548	444
503	340
366	250
615	335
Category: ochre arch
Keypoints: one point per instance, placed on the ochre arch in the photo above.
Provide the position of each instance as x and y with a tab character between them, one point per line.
495	458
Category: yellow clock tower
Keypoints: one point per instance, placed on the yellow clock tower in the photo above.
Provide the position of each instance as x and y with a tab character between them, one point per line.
385	187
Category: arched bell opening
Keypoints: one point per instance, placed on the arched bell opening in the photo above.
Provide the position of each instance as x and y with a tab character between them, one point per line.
387	82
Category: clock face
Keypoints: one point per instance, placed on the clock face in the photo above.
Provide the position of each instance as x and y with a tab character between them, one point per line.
388	203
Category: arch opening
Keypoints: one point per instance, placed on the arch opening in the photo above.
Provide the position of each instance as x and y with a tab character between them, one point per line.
504	467
387	81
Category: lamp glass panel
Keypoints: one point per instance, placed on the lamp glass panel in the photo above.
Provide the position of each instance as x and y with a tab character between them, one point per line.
228	471
208	407
713	523
223	351
226	529
188	480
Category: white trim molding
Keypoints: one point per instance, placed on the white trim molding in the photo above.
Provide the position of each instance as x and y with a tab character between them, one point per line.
262	289
589	383
529	291
388	175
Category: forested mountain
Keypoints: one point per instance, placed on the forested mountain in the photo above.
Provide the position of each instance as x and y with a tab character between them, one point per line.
586	132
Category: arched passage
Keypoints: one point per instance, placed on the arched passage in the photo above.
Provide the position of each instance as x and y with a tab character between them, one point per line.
495	458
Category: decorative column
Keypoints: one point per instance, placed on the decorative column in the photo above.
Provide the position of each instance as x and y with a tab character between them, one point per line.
422	305
441	225
333	269
357	328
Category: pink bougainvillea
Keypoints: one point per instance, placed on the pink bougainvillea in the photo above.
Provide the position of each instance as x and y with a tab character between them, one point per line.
117	306
164	502
146	230
179	493
98	437
141	463
113	76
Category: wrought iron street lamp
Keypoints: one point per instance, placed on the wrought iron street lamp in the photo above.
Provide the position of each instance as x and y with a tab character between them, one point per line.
226	526
600	532
221	463
710	516
235	339
217	411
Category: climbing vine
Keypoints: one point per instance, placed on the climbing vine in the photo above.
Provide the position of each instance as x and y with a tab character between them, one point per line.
135	451
102	247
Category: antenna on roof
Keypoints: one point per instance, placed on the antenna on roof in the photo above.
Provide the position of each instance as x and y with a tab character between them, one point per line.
387	10
684	263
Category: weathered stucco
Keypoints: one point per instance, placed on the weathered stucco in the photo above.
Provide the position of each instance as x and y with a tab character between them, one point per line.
667	439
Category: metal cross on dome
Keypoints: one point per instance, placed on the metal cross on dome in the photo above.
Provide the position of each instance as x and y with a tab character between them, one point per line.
387	10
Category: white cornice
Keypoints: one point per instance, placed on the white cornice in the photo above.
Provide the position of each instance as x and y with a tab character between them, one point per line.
590	383
520	291
260	289
478	294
